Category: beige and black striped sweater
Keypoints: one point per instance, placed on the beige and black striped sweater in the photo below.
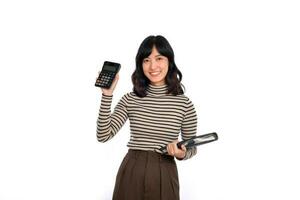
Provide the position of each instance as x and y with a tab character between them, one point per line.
155	120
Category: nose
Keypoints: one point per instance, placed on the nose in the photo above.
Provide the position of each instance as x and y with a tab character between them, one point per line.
153	65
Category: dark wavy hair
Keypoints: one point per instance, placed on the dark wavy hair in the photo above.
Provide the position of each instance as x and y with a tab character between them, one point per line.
173	77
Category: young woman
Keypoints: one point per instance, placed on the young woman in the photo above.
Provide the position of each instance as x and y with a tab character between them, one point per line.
158	112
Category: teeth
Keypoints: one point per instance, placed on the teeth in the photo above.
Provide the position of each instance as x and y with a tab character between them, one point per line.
154	73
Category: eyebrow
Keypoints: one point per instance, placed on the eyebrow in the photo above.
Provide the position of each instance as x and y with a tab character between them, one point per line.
156	55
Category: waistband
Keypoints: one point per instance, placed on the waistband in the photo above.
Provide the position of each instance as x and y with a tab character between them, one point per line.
143	155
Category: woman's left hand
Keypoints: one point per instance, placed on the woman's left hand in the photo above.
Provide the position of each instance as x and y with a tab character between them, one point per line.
173	150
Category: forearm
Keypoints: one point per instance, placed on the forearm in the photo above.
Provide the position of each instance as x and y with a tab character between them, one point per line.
108	124
104	130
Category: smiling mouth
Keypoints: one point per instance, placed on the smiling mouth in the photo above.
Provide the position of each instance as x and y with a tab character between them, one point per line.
154	73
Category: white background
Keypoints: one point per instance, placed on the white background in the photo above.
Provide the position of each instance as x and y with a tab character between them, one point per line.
239	61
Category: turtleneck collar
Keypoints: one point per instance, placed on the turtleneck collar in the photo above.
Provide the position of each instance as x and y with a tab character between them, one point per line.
157	90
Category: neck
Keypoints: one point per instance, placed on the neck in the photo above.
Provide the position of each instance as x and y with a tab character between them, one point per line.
157	89
162	82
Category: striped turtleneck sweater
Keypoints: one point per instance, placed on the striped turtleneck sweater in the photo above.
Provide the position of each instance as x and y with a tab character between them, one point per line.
155	120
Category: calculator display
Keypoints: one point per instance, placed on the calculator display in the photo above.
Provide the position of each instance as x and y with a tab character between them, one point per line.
109	68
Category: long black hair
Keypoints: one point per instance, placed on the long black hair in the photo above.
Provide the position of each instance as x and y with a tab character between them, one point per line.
173	77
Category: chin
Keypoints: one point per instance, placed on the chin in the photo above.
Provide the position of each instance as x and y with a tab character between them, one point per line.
154	82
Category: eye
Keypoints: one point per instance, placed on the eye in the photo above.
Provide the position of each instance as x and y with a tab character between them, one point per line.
146	60
159	58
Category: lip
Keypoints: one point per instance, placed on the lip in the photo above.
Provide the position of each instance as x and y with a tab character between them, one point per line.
155	73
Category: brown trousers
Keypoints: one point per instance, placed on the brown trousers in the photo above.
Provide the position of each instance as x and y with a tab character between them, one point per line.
147	175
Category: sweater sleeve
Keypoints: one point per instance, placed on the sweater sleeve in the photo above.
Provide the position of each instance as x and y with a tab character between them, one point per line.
108	124
189	128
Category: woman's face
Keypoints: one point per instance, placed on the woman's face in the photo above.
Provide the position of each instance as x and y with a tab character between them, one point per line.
155	67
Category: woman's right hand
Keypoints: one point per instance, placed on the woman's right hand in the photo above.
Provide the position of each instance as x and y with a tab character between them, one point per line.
109	91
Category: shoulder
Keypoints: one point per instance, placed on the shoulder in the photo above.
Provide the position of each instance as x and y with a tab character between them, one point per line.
128	96
184	99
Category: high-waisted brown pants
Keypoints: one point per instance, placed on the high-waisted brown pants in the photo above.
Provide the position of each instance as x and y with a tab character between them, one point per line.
147	175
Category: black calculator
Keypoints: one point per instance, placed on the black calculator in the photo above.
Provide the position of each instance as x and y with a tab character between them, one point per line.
107	74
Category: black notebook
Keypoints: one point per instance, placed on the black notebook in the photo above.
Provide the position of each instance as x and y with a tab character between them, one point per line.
195	141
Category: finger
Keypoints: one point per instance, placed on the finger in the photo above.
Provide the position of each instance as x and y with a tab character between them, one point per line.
171	149
115	81
174	148
183	147
175	144
179	150
175	141
116	78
